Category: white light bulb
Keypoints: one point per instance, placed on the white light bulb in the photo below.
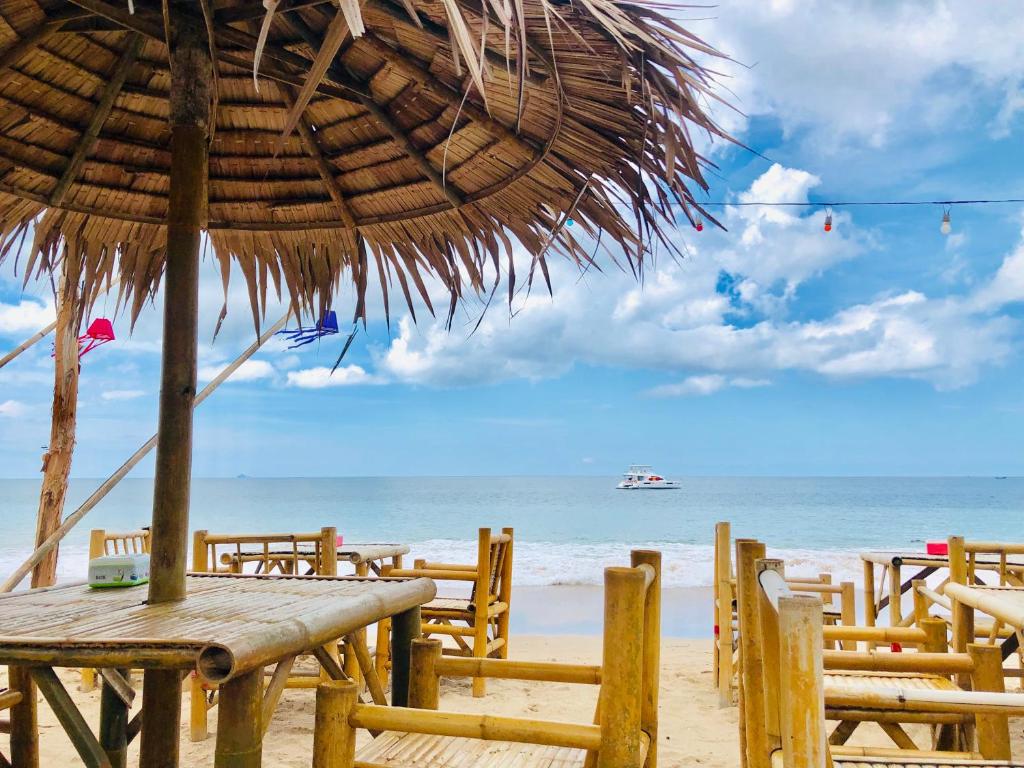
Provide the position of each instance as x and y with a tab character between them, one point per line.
946	227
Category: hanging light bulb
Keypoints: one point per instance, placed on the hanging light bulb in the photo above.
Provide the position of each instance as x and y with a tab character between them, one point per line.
699	224
946	226
828	221
569	222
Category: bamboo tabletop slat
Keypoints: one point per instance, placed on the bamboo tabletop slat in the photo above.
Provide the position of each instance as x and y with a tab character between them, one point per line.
228	623
941	561
1003	603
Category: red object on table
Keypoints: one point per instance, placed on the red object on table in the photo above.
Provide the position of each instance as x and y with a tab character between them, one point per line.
937	548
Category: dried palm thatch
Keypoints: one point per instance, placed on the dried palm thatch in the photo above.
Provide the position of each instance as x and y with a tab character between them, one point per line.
387	140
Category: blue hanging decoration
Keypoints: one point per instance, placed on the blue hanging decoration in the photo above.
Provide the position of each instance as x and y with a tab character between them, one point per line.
326	326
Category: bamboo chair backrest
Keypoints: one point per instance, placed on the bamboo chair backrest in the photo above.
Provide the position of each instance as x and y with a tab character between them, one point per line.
493	567
286	553
128	542
628	676
1004	558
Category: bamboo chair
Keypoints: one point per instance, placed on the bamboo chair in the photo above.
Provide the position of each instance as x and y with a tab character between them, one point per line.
478	625
725	620
102	543
311	553
800	701
624	735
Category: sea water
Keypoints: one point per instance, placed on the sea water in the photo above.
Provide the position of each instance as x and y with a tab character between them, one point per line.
567	528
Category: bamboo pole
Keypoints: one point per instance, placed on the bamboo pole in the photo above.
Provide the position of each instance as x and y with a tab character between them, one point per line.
24	719
114	723
802	712
239	722
848	611
722	535
620	700
481	592
769	633
98	495
424	681
59	453
870	606
993	730
505	593
334	739
70	717
752	708
651	651
190	99
405	627
31	340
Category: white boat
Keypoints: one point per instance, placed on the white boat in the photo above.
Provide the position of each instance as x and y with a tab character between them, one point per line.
641	477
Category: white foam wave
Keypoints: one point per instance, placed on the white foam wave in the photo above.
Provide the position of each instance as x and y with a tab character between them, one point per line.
543	563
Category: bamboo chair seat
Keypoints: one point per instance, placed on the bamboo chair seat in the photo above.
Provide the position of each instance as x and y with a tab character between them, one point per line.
446	605
422	750
875	680
919	762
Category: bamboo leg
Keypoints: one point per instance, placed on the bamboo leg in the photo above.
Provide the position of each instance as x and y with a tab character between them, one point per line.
357	643
405	627
424	683
722	535
334	739
621	668
751	660
481	592
848	611
993	731
802	710
198	709
870	604
272	695
161	713
769	636
24	723
239	722
114	724
895	596
382	651
505	594
724	644
651	651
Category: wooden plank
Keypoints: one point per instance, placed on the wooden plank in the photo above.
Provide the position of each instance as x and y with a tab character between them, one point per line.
56	695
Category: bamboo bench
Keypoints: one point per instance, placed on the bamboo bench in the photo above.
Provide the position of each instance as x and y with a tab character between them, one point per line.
102	543
725	620
625	729
477	625
800	699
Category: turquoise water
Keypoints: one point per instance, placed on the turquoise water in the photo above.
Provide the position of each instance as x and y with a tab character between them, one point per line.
568	528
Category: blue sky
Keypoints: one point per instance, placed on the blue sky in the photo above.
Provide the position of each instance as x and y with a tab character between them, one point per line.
772	348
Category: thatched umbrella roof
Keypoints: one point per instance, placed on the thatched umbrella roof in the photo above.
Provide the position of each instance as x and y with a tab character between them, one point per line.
392	140
406	139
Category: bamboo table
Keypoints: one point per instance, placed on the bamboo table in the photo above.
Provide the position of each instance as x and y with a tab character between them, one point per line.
1005	604
365	557
227	630
892	564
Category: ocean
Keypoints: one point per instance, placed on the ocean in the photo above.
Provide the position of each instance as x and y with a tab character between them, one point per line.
567	528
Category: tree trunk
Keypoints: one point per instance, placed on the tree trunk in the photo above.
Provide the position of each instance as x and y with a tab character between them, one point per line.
57	459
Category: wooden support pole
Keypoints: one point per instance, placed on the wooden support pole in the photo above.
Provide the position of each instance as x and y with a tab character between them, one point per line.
722	536
114	721
481	591
895	596
26	344
24	719
405	627
272	695
870	606
752	704
993	730
239	722
802	706
768	623
505	593
334	739
357	643
70	718
848	611
424	682
57	459
651	651
622	669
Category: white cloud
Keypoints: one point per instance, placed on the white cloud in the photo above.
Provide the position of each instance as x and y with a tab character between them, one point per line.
321	377
250	370
12	409
734	330
26	316
122	394
707	384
